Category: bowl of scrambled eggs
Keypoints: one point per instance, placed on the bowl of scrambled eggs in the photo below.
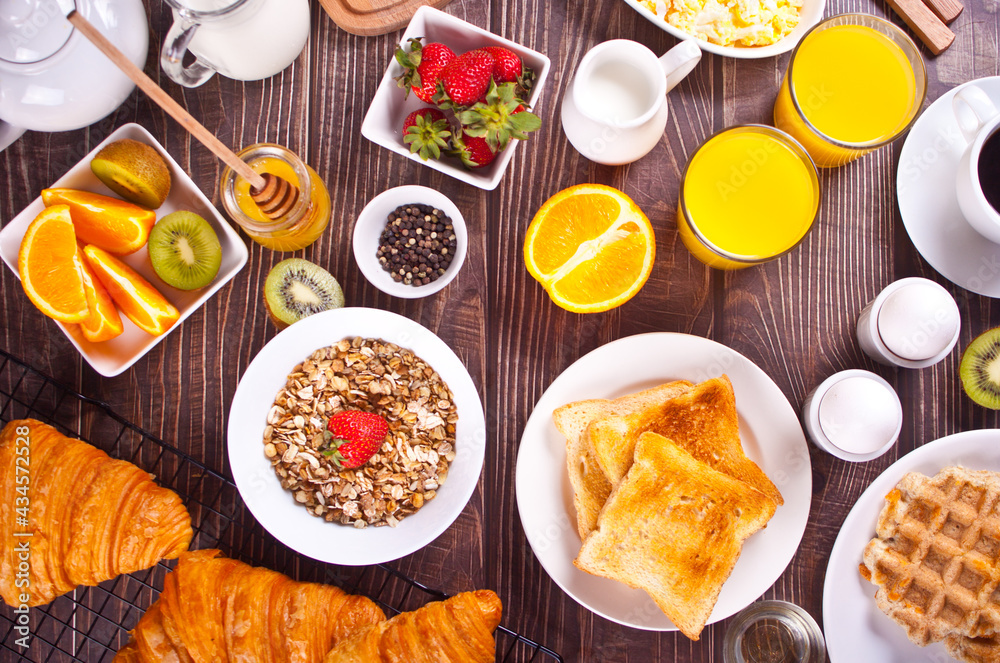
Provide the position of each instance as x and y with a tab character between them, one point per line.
735	28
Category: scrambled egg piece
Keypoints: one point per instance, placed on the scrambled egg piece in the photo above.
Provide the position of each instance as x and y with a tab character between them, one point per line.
730	22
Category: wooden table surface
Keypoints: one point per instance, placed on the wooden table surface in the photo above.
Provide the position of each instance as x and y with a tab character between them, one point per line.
794	318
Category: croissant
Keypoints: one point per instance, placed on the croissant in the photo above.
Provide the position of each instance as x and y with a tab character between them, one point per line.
75	516
217	609
459	630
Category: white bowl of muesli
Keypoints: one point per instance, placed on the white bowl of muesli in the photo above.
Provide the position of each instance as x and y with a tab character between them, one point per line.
413	488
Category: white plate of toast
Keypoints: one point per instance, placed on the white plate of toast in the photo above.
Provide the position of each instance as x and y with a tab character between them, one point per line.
628	370
857	631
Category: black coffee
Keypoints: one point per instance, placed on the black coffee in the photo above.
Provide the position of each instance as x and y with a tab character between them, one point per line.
989	170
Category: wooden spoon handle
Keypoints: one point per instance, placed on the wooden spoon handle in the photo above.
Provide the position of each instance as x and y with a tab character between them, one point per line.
165	101
931	30
946	10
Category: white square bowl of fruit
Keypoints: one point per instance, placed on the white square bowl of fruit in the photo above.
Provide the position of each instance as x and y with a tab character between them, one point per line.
457	98
118	275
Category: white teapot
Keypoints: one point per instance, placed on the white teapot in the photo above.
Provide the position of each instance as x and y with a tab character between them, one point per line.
51	77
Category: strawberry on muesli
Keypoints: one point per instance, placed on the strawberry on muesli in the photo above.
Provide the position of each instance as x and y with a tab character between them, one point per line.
352	437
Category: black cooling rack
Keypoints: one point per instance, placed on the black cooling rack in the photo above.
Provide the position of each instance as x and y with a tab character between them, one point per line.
91	624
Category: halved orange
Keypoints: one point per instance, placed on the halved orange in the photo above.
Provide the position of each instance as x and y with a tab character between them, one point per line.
103	323
591	248
135	296
50	267
114	225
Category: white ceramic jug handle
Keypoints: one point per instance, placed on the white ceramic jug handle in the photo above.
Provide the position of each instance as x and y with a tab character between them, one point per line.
8	134
972	108
175	45
679	61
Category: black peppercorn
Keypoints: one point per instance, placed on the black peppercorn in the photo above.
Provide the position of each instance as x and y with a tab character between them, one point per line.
417	245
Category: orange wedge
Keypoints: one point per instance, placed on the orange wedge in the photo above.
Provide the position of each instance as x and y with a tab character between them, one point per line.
103	323
590	247
50	267
135	296
114	225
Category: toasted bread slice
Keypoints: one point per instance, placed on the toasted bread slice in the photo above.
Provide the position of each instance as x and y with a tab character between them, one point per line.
702	421
590	486
674	527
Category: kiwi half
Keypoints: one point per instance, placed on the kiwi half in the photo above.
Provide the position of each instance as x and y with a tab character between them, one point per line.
980	369
296	288
133	170
184	250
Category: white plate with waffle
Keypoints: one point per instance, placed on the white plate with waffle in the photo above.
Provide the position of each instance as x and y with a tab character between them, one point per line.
856	630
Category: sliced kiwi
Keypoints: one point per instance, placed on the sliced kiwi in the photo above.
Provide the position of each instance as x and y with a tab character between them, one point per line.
980	369
184	250
296	288
133	170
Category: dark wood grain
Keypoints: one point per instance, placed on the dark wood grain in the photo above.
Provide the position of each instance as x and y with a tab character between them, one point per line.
794	317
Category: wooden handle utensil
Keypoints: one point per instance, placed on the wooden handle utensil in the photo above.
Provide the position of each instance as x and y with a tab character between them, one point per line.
946	10
273	195
931	30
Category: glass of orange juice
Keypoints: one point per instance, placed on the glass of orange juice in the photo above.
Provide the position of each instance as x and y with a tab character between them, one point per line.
854	83
748	195
303	224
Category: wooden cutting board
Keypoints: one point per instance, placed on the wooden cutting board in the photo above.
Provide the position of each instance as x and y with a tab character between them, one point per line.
375	17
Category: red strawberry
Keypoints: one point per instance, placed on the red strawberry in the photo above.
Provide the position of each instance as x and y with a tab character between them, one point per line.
428	114
422	66
465	79
474	151
353	437
499	119
506	64
426	131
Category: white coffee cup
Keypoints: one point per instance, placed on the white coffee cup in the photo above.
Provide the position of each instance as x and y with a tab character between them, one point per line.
614	110
979	119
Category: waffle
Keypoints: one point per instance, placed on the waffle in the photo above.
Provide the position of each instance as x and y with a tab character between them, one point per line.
974	650
936	557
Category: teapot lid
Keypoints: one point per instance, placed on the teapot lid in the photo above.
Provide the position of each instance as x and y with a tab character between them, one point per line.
32	30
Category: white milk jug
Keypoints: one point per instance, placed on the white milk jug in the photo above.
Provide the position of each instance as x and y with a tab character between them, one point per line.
245	40
615	109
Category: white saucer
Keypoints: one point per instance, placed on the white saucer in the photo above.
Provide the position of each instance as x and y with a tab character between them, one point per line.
925	187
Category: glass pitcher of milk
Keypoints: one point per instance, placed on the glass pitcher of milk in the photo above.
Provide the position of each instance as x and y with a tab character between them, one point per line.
241	39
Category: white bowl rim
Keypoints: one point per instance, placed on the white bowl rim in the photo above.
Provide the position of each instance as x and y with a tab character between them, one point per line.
275	507
807	20
380	207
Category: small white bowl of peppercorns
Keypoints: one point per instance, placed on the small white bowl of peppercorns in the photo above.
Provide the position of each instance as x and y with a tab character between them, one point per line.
410	241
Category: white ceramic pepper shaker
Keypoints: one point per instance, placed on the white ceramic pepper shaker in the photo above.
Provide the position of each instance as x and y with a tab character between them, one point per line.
912	323
854	415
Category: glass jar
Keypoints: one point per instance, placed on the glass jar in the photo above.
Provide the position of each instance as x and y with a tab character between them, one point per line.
303	224
854	83
749	194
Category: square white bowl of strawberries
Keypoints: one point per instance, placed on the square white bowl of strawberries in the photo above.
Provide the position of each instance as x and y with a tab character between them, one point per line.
482	89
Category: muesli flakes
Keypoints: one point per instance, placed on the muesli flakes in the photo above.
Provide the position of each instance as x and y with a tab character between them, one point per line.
374	376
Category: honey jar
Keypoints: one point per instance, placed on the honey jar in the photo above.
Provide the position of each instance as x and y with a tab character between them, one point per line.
307	219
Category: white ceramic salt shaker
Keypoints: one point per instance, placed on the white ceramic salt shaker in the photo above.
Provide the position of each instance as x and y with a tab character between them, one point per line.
854	415
912	323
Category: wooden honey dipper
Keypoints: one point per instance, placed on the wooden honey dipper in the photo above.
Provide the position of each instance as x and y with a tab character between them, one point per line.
273	195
